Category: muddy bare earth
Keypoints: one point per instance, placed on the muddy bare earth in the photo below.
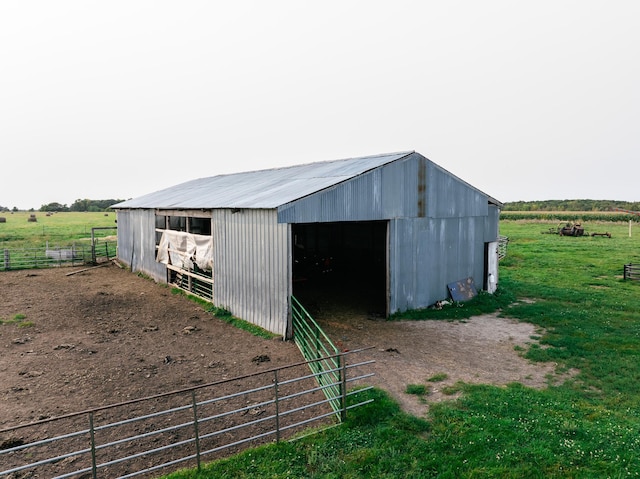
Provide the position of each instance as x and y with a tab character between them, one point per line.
106	335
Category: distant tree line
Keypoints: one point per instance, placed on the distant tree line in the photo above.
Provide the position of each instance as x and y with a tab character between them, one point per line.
81	205
571	205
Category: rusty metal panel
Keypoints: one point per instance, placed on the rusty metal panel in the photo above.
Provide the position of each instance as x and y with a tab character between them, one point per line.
251	264
463	289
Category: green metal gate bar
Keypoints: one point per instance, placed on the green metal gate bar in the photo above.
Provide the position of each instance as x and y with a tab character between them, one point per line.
316	347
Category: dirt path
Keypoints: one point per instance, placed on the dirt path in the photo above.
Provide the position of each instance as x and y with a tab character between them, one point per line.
478	350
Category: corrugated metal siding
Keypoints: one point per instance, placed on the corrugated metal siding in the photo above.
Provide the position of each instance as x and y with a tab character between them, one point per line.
429	253
264	189
492	230
376	195
252	266
137	243
450	197
412	187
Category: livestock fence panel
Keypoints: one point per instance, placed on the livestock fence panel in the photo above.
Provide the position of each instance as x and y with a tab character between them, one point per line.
159	434
632	271
503	242
317	347
45	257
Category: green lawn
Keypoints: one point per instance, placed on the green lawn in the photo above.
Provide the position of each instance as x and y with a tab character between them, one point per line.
588	427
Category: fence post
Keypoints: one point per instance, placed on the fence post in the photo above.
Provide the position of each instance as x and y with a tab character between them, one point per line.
7	263
343	387
94	466
275	375
195	426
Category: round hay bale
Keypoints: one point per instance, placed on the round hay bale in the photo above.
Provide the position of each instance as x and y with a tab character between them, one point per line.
32	219
3	219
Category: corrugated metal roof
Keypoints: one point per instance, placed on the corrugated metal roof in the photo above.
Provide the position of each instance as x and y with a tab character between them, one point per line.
260	189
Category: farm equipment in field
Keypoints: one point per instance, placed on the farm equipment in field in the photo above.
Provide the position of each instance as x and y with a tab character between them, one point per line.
568	229
571	229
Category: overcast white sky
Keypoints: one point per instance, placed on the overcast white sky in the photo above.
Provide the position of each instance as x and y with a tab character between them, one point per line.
115	99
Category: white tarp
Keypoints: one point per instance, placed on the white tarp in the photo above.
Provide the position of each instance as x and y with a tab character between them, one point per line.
186	249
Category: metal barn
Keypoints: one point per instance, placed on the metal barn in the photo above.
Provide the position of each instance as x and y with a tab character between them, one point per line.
394	229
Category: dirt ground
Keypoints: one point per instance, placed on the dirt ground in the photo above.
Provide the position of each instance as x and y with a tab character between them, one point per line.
480	350
106	335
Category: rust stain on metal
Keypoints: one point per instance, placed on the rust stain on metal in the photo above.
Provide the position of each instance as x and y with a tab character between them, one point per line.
422	188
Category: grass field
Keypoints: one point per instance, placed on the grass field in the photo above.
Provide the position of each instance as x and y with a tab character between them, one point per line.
59	229
588	427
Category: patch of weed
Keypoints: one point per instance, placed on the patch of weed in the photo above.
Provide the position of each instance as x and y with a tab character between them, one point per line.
436	378
17	319
453	389
417	389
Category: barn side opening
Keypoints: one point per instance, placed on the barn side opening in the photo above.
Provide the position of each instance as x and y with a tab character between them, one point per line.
341	268
185	245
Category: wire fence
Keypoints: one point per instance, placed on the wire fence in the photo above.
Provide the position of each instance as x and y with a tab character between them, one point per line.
46	257
159	434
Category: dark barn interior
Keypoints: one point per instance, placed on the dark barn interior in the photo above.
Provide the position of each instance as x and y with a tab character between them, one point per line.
340	266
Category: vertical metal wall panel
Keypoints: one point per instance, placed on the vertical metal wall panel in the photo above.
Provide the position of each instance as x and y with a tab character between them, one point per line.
492	225
427	254
448	196
252	266
137	242
126	239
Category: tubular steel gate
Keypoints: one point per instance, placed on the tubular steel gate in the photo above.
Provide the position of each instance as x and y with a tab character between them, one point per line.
323	356
159	434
